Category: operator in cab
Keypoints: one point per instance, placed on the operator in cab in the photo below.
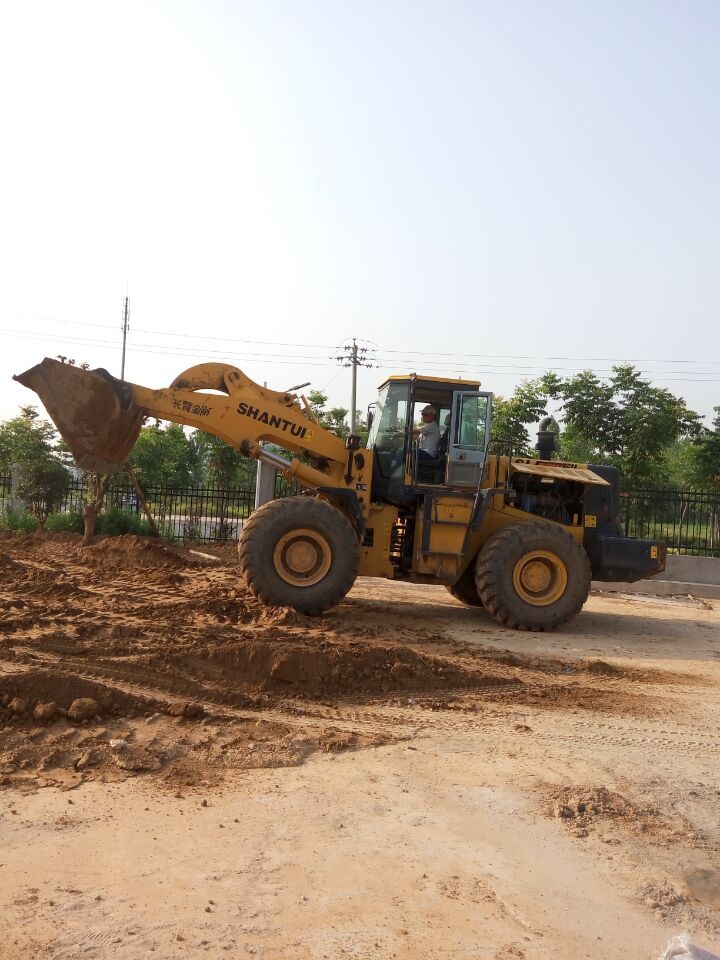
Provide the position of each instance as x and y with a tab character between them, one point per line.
428	434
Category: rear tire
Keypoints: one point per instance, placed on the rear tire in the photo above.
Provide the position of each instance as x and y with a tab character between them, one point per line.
532	576
299	552
465	589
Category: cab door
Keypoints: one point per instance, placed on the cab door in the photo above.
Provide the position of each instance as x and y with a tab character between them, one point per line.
469	438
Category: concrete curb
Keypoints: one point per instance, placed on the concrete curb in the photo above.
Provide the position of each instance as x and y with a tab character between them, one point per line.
698	576
661	588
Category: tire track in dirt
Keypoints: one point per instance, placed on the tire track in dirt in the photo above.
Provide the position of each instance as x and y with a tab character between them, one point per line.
140	626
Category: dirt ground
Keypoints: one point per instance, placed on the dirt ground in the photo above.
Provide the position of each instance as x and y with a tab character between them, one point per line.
399	778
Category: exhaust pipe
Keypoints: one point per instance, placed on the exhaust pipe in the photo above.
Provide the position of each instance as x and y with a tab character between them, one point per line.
545	440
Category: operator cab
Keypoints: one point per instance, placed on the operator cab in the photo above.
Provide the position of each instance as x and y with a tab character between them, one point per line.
462	413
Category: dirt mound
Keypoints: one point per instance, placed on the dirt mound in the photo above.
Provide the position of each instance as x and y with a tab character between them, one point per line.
45	738
8	566
37	685
134	551
613	671
136	625
586	809
320	668
235	604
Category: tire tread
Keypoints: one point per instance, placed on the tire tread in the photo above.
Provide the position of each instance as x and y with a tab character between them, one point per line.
501	551
269	522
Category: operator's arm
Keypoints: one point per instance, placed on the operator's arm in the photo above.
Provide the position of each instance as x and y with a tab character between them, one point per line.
423	431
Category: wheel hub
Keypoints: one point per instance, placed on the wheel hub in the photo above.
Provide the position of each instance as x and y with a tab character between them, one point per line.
302	557
540	577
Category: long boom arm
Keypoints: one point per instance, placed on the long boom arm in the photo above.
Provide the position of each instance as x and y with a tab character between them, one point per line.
100	417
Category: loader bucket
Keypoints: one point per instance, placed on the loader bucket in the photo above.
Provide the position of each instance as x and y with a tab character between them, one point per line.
93	411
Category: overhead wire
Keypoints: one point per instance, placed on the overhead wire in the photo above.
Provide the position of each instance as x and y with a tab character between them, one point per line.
387	350
383	362
313	360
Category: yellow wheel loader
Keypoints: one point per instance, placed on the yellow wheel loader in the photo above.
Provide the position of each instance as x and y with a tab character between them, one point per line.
521	537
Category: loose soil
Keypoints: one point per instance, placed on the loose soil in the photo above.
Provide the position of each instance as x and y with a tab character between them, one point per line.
400	777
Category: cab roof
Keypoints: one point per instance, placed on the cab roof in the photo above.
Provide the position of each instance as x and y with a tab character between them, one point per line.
430	379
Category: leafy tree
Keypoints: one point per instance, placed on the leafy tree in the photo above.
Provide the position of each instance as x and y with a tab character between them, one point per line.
26	440
336	418
333	419
217	463
511	415
164	456
709	451
680	465
42	487
575	447
706	454
625	421
29	442
224	467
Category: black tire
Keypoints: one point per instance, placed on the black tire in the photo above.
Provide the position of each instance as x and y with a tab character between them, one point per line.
532	576
465	589
299	552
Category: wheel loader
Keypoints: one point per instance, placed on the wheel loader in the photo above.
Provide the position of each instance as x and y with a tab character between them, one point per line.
520	537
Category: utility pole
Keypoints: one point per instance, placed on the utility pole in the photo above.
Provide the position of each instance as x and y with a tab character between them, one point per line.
125	330
354	356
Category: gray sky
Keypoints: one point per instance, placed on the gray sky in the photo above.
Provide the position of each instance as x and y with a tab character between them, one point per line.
478	188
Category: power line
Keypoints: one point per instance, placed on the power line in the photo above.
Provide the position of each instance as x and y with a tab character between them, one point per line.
174	334
519	369
383	362
518	356
300	360
148	347
688	376
78	323
326	346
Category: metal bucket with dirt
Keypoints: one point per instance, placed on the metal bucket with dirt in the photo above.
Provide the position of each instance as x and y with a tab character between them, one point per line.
93	411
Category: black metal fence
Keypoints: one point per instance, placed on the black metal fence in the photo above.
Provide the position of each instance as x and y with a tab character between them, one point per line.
199	514
688	520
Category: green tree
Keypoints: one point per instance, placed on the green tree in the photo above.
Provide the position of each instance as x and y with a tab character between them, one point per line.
706	454
680	464
333	419
164	456
29	442
336	418
42	486
512	414
625	421
224	467
217	463
26	440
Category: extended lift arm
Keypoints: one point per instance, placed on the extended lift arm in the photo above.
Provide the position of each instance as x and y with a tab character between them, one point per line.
100	417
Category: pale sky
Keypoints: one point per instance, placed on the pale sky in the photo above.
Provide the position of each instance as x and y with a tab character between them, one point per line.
477	188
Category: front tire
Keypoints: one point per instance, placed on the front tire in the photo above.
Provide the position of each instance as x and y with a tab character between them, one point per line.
465	589
299	552
532	576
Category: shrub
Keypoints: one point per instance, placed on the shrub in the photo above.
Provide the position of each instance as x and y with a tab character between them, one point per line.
42	486
65	522
19	520
115	522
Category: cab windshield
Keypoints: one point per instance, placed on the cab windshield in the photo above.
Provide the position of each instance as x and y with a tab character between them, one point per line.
389	428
